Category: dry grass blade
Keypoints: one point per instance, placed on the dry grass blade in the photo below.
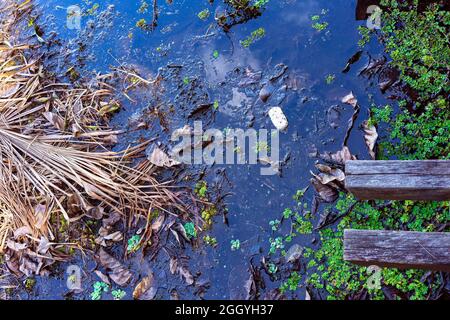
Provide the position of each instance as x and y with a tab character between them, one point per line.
54	144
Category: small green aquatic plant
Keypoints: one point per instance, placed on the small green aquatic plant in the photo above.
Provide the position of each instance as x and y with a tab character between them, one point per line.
319	26
30	283
208	215
253	37
299	194
204	14
292	283
216	104
272	268
201	188
210	241
329	79
133	243
31	22
142	24
287	213
235	244
99	288
276	244
144	7
92	10
215	54
118	294
365	33
274	224
260	3
190	230
302	225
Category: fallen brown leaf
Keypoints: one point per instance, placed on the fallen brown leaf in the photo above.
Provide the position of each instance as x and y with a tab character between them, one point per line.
326	193
370	137
118	273
145	289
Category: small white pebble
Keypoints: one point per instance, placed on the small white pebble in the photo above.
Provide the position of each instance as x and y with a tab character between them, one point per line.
278	118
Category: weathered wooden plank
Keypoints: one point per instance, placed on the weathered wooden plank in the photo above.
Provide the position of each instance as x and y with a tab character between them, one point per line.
399	186
399	249
429	167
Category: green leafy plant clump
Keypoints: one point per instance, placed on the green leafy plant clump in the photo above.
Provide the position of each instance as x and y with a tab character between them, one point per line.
253	37
118	294
417	42
319	26
133	243
204	14
99	288
190	230
235	244
419	46
422	135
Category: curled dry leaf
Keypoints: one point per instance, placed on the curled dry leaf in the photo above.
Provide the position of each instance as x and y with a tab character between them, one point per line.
307	295
157	224
8	89
76	130
328	174
353	59
22	231
16	246
145	290
339	157
253	284
76	205
186	275
173	265
44	245
343	155
294	253
326	193
12	262
102	277
56	120
370	137
93	192
110	140
29	267
115	236
104	236
175	234
118	273
160	159
40	212
112	219
95	212
350	99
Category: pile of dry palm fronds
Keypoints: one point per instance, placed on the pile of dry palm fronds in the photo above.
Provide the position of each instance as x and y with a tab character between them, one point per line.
54	159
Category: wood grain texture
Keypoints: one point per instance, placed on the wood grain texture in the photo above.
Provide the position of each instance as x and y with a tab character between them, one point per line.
431	167
399	180
399	249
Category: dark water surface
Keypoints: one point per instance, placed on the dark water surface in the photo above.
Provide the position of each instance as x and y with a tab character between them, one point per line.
182	39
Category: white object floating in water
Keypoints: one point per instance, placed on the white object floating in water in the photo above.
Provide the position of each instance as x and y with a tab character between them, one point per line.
278	118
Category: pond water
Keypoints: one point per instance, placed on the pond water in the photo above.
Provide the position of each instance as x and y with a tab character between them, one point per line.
201	63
